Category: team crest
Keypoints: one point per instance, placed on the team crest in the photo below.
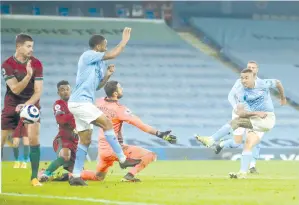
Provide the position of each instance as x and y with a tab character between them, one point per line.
128	112
3	72
57	107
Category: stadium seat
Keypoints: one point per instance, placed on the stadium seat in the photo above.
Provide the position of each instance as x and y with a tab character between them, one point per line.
36	10
62	11
5	9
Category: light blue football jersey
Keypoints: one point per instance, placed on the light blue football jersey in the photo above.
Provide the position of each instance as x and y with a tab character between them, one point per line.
90	73
257	98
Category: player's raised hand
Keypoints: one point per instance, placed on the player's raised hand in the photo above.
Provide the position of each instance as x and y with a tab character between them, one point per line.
29	68
126	34
167	136
110	69
283	101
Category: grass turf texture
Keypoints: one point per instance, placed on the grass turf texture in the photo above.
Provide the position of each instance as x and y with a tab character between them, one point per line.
166	182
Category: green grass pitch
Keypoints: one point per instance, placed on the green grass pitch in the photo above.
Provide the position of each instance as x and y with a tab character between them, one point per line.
164	182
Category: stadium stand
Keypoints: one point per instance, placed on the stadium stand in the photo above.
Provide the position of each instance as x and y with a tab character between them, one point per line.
273	44
167	82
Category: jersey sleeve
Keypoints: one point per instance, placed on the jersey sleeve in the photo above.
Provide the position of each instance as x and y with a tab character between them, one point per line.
62	115
7	71
270	83
127	116
38	75
93	56
232	96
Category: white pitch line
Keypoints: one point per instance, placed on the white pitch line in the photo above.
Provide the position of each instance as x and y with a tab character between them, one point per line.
175	176
104	201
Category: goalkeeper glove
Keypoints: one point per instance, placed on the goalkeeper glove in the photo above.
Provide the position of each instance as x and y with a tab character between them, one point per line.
166	136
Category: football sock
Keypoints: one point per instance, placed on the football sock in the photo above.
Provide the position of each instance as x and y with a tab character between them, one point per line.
34	159
80	158
113	141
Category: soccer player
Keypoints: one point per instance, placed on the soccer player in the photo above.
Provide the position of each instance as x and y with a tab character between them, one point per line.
89	79
23	74
236	141
66	142
255	112
119	114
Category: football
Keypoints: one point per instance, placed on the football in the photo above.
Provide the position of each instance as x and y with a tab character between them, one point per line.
30	114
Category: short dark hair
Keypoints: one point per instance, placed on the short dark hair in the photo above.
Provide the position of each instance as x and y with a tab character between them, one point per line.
22	38
246	70
110	88
96	40
63	82
253	62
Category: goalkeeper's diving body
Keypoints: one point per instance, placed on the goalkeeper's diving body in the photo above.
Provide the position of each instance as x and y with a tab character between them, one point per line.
118	114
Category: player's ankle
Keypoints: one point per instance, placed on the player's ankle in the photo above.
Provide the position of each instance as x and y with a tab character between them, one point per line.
122	159
129	175
48	173
76	175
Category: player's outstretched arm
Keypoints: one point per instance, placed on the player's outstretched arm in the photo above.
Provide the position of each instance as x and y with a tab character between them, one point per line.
242	113
137	122
283	100
109	73
232	95
15	86
120	47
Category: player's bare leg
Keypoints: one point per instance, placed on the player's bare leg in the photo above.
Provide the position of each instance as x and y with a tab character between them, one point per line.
252	140
4	136
85	140
15	148
26	152
63	157
107	127
225	130
33	135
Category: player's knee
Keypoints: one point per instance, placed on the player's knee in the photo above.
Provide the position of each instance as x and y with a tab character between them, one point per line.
33	141
152	156
25	141
66	158
85	141
16	143
249	143
100	176
238	139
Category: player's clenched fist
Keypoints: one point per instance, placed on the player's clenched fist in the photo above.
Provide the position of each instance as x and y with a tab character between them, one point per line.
167	136
126	34
110	69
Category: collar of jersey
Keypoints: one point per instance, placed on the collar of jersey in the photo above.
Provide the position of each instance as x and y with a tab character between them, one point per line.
19	62
110	100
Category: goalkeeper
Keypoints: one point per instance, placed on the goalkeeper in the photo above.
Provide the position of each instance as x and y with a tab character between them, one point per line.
118	114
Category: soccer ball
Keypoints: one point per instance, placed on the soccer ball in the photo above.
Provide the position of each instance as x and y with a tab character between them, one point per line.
30	114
